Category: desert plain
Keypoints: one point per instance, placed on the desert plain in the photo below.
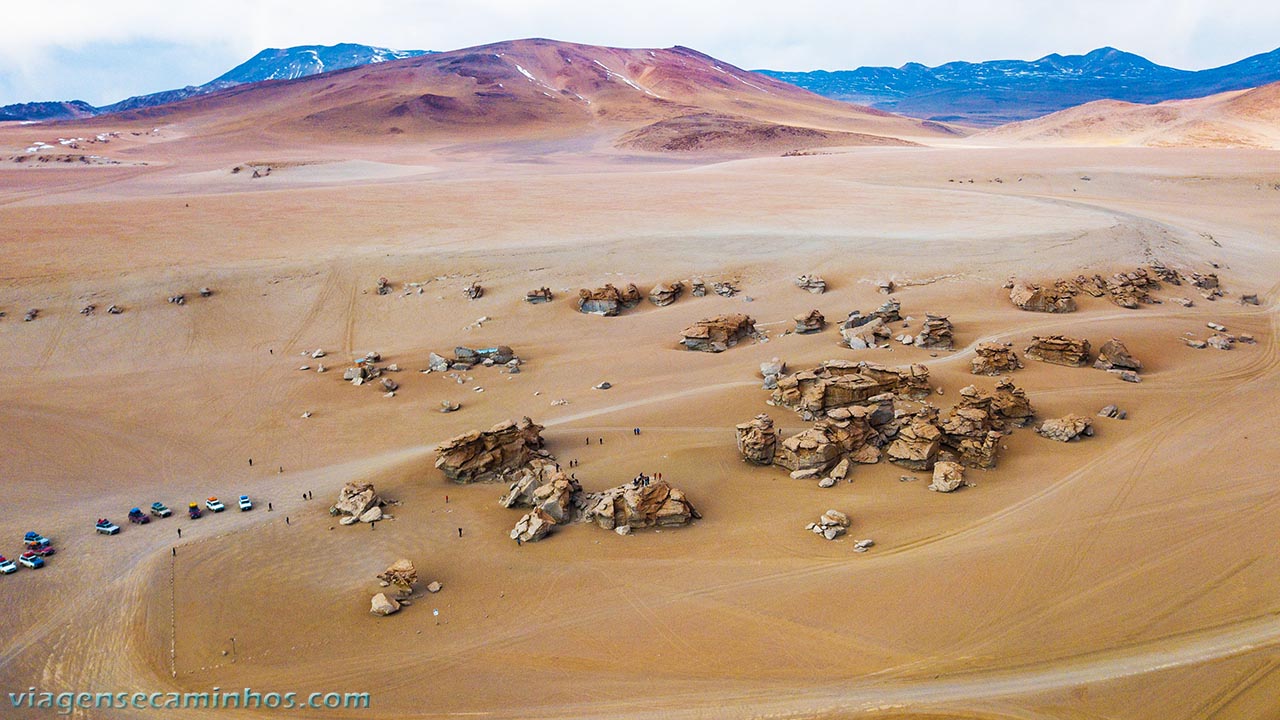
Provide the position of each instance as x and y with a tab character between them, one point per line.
1129	574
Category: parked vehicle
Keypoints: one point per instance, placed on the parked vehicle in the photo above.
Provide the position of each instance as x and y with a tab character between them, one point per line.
193	511
106	527
160	510
245	503
214	504
6	566
43	550
34	539
138	517
31	560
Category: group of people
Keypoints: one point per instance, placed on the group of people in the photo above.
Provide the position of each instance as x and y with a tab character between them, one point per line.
643	480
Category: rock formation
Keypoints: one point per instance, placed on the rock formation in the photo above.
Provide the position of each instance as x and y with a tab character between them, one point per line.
935	333
811	453
698	287
542	487
994	358
540	295
401	574
758	440
1128	289
1034	298
355	499
533	526
1113	412
1059	350
831	525
1067	428
717	334
1010	404
947	476
812	283
474	291
1113	355
724	289
810	322
608	300
639	505
490	455
863	331
666	293
384	286
771	371
917	444
840	383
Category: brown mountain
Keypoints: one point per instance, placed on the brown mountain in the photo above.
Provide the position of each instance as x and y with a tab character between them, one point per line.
543	89
1242	118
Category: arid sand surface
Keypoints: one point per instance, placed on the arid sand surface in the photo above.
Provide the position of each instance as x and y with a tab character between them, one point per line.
1132	574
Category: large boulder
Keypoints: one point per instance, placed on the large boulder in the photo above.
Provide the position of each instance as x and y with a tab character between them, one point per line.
533	526
1067	428
355	499
382	605
1059	350
542	487
492	454
666	293
1033	298
608	300
758	440
995	358
1113	355
639	505
717	334
1011	404
947	476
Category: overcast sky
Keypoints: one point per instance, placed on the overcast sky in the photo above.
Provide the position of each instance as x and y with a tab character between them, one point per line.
105	50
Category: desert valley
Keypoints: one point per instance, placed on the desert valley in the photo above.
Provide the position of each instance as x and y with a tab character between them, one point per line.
1017	464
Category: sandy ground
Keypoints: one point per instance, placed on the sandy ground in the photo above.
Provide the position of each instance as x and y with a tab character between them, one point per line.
1130	575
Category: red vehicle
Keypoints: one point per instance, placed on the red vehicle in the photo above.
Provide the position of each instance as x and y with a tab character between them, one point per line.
44	550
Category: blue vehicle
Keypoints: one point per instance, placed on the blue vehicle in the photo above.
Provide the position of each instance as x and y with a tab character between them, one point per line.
31	560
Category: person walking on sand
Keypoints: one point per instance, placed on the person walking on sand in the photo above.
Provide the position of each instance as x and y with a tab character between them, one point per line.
250	462
179	532
459	532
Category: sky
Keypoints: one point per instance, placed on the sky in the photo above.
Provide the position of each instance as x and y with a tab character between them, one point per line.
102	52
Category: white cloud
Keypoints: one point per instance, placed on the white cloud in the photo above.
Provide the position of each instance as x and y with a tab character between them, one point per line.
796	34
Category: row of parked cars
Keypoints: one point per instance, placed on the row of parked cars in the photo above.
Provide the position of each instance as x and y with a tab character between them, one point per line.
36	548
160	510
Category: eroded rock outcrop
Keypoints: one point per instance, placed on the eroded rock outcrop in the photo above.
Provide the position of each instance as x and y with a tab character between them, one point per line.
608	300
758	440
355	499
840	383
810	322
492	454
935	333
1033	298
637	505
664	294
995	358
1113	355
717	334
918	443
1059	350
811	283
811	453
401	574
947	476
539	295
533	526
542	486
1067	428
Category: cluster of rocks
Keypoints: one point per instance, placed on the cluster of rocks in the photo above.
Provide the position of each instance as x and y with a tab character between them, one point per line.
1033	298
1114	357
384	286
465	358
724	289
994	358
366	371
556	499
539	295
811	283
1059	350
698	288
841	383
810	322
358	502
664	294
608	301
1113	412
403	576
474	291
1066	428
1207	284
493	454
719	333
860	331
831	525
969	434
1220	339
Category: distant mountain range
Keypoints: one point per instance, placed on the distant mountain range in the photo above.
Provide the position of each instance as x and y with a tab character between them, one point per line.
1001	91
270	64
984	93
